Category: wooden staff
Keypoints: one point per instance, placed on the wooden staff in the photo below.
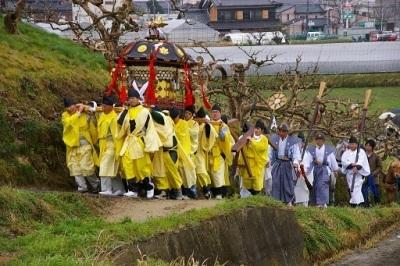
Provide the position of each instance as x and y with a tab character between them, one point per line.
361	128
238	147
322	86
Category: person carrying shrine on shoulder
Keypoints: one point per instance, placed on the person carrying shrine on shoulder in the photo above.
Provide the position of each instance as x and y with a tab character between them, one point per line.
165	161
140	139
110	146
207	137
79	138
186	163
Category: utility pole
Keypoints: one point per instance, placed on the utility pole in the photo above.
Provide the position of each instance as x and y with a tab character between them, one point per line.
381	16
308	10
396	12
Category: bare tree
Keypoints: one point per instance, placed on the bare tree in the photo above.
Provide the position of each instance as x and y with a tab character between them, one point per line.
104	28
11	19
289	98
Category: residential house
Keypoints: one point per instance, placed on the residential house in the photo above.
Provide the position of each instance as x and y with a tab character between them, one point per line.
241	16
295	17
287	17
314	16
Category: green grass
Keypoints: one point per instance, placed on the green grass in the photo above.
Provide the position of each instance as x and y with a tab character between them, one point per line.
330	230
323	41
80	239
22	211
38	69
63	229
383	98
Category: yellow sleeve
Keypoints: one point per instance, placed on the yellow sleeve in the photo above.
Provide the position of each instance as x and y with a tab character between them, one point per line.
194	136
183	135
93	130
70	129
226	146
207	143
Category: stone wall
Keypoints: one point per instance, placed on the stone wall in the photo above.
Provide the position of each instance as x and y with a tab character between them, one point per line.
253	236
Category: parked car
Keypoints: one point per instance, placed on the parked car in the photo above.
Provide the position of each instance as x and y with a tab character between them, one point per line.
312	36
391	36
376	36
255	38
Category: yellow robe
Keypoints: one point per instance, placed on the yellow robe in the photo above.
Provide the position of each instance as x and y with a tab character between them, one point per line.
187	170
138	145
80	159
256	151
202	155
194	135
218	164
109	145
165	170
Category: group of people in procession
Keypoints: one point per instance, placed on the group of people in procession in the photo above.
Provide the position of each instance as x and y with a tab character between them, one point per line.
152	153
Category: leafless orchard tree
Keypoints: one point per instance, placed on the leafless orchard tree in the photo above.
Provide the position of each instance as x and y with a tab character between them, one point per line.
106	25
247	99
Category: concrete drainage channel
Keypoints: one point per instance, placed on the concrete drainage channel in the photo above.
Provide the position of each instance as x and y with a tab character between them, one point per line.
253	236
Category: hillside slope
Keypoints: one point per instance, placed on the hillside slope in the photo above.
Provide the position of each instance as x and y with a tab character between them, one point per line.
37	70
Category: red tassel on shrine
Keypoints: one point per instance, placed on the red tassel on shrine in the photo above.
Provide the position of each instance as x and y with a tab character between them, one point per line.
150	97
206	103
113	85
189	98
123	96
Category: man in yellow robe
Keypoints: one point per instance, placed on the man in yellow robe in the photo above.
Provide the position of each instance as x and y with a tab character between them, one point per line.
111	183
79	139
206	140
187	170
220	153
140	139
165	161
256	154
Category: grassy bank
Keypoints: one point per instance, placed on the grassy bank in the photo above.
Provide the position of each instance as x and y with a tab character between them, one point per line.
72	233
22	211
37	70
78	240
328	231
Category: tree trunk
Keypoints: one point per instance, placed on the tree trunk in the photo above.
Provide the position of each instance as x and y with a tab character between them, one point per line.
11	19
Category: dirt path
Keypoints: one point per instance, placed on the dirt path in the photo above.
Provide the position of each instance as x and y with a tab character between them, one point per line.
385	253
140	210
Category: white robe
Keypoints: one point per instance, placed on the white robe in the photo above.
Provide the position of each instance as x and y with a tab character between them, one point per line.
348	158
301	192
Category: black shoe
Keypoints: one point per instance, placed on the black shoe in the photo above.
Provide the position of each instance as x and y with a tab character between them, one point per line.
192	192
132	185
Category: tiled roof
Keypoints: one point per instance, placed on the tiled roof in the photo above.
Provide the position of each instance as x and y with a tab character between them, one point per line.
312	8
244	25
199	15
233	3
